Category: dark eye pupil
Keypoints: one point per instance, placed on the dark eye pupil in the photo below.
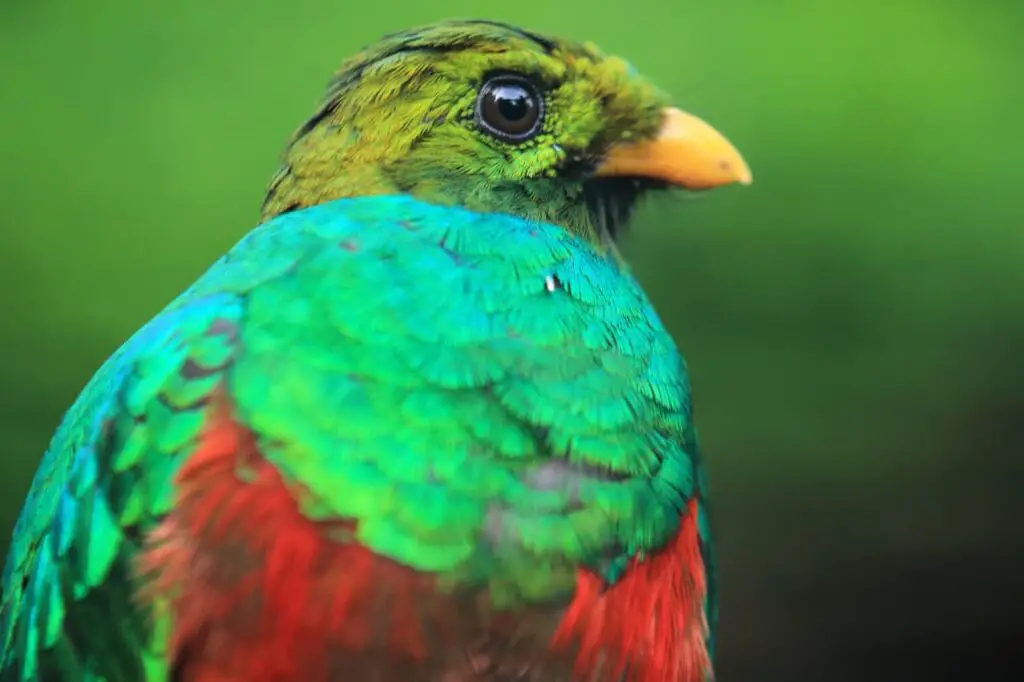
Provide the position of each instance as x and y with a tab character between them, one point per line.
509	108
512	103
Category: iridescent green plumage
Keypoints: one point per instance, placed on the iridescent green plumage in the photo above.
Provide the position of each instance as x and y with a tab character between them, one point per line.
485	399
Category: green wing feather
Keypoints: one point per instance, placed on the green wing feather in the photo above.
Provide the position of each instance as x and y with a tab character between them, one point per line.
494	400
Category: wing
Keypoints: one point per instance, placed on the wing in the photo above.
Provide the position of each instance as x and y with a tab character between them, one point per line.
67	610
362	404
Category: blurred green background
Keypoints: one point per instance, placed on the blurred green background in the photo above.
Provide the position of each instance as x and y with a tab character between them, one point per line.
853	320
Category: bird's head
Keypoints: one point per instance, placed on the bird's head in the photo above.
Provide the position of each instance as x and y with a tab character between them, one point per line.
497	119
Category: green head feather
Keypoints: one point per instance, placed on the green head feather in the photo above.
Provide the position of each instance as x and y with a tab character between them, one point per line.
404	117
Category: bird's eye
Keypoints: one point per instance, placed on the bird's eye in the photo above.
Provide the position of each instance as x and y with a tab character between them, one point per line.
509	108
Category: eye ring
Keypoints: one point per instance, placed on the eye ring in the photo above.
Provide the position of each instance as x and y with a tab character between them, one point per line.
510	108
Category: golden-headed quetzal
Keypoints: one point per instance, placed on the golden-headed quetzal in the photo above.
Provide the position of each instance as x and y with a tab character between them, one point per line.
420	425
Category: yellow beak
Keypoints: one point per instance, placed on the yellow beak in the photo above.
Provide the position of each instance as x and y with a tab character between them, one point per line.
687	152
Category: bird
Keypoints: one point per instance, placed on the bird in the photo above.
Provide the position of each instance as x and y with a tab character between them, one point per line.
420	424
